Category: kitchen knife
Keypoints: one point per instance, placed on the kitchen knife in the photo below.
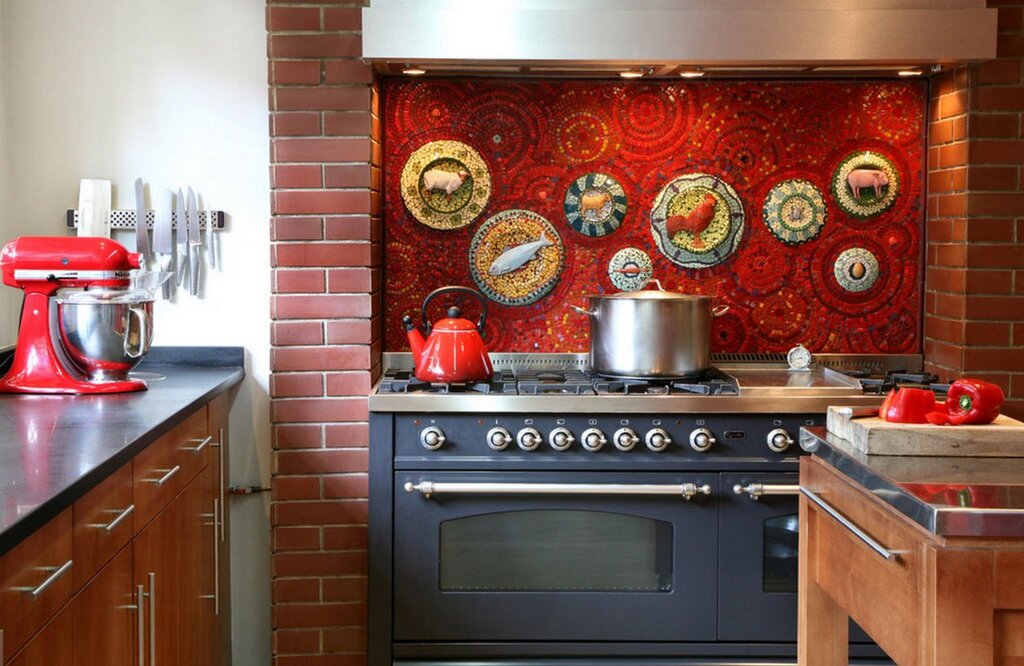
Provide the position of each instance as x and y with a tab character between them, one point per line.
141	234
163	244
211	246
94	207
182	219
195	244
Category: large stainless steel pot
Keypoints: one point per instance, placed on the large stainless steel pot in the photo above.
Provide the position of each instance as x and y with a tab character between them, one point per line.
650	334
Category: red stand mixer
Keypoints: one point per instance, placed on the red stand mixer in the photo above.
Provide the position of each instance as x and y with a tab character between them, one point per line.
82	326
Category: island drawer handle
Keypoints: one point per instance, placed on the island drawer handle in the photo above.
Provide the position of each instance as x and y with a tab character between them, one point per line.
36	592
887	554
202	444
120	519
168	473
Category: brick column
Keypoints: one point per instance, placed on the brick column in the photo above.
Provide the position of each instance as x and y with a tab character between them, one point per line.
974	300
325	245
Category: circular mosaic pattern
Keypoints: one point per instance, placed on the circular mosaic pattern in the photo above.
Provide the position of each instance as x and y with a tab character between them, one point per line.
445	184
651	119
762	267
516	257
865	184
856	269
595	204
795	211
697	220
630	269
582	136
781	316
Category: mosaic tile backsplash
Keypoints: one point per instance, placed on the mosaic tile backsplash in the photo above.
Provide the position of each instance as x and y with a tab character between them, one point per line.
799	204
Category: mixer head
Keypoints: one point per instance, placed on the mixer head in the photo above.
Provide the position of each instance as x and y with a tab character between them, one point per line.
48	263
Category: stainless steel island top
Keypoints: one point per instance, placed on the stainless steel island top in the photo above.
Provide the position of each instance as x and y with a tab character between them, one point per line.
948	496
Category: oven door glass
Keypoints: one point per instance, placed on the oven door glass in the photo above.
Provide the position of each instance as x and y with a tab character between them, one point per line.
554	565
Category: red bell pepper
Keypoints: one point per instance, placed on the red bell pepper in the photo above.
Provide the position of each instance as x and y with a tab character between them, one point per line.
973	401
907	405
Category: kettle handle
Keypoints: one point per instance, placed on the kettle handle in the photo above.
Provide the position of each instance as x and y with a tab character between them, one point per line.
448	290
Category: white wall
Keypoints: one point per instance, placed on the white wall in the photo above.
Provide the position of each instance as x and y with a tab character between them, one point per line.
174	92
10	300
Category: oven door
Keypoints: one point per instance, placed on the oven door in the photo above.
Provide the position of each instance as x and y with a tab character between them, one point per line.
758	550
554	556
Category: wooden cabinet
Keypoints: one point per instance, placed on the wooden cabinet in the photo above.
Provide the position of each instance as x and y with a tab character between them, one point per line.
927	600
135	574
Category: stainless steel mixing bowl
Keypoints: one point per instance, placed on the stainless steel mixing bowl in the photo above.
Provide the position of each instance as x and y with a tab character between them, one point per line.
105	332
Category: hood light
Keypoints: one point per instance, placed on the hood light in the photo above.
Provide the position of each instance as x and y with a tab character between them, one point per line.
412	70
909	72
692	73
632	74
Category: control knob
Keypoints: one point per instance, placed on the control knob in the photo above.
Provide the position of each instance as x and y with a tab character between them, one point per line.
528	439
657	439
779	440
498	438
593	439
701	440
560	439
432	438
625	439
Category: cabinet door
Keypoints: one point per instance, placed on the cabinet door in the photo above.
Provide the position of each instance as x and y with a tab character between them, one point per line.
218	411
196	618
53	645
105	616
156	568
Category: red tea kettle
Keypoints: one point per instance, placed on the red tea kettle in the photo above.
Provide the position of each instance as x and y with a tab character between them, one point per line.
454	350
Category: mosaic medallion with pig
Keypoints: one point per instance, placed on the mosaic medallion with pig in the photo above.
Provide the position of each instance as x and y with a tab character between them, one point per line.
865	184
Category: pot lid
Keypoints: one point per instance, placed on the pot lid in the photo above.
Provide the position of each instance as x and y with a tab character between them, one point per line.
653	295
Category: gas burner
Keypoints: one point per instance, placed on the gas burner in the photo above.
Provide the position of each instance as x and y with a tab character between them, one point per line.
571	382
403	381
875	384
630	387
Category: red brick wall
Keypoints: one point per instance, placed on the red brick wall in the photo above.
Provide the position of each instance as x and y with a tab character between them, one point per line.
974	299
325	252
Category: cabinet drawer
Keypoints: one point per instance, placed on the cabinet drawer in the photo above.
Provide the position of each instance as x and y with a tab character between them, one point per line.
166	466
103	523
36	578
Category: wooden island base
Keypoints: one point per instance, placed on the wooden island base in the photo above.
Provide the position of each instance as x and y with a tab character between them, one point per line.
939	601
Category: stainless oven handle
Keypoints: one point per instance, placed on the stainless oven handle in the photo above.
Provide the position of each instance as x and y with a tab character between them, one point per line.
756	490
684	490
887	554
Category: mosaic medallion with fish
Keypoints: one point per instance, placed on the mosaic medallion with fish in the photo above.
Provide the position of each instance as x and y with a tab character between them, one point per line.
865	184
595	204
630	269
697	220
795	211
445	184
516	257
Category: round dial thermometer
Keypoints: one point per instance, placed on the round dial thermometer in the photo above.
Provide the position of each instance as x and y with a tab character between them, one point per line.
799	358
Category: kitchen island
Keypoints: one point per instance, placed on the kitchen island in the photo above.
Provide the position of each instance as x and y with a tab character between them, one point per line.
925	553
114	499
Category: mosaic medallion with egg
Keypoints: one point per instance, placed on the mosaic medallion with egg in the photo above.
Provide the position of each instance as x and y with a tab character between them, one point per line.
445	184
856	269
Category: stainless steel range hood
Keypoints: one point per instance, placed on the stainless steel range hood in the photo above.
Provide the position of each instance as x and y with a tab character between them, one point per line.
666	37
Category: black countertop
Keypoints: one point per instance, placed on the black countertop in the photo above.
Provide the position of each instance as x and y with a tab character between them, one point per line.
947	495
54	449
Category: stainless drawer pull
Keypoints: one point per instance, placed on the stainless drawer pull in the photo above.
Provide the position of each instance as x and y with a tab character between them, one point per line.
168	473
50	580
203	443
684	490
152	618
120	519
848	524
140	624
756	490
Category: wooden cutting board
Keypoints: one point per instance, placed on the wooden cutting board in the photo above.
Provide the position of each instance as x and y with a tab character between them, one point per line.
1003	438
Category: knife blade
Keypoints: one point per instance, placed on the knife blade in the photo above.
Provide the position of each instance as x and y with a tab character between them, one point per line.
195	243
163	244
211	245
182	219
141	234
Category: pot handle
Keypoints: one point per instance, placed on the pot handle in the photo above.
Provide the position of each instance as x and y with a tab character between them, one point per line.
584	311
719	310
656	282
140	316
452	289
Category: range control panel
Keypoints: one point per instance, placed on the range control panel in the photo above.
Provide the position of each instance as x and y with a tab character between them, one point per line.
514	441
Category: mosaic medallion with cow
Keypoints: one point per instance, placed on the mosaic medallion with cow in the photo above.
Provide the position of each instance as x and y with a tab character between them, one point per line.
595	204
865	184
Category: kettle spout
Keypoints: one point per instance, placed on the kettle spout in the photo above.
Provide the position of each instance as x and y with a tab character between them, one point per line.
416	340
